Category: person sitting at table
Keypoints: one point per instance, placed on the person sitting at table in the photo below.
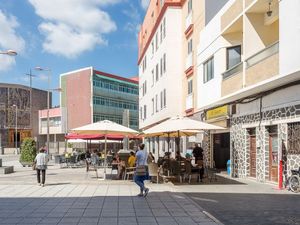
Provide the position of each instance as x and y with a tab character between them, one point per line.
178	156
131	159
151	158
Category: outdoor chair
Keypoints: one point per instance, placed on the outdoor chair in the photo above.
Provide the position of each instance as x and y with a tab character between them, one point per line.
114	167
128	172
189	171
154	171
211	174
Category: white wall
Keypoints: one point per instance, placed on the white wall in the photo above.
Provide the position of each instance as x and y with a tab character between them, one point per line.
172	79
289	28
211	44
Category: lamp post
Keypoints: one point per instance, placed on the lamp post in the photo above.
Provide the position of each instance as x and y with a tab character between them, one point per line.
16	129
48	102
9	52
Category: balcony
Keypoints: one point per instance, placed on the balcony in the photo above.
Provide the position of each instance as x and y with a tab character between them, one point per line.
232	83
189	62
188	23
231	14
232	71
189	104
263	65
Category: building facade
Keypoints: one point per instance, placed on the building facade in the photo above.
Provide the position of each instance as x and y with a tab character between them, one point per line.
89	96
168	41
19	107
248	81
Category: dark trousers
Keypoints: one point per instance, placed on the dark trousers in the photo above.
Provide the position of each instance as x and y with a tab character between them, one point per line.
39	176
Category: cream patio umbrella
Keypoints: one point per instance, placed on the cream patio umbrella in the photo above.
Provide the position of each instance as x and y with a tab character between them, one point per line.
179	126
105	127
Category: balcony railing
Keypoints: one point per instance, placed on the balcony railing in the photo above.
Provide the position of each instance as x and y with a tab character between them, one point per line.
189	20
189	61
263	54
189	102
233	70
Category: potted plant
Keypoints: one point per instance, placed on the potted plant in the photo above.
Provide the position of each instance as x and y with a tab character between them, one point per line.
28	152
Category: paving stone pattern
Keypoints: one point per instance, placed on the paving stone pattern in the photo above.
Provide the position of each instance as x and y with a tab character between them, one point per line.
96	204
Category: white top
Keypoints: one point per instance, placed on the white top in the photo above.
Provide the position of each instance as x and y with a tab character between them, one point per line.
41	159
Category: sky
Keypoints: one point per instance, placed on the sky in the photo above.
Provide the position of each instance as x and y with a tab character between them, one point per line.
66	35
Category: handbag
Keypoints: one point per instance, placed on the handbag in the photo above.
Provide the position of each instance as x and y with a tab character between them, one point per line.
34	166
141	170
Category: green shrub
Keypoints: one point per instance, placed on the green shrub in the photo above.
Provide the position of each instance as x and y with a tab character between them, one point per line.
28	150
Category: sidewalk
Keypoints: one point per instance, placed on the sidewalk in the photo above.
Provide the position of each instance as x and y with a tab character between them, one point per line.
72	196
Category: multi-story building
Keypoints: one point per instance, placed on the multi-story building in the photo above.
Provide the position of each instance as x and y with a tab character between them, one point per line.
168	41
19	107
57	128
89	96
249	81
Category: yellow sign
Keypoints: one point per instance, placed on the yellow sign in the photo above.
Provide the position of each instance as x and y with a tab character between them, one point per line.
217	112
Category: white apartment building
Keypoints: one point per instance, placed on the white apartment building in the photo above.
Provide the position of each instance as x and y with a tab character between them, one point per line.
160	66
248	81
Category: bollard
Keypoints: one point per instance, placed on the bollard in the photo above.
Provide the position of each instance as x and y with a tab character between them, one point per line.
280	183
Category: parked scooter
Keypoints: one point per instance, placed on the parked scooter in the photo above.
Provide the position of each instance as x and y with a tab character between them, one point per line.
293	181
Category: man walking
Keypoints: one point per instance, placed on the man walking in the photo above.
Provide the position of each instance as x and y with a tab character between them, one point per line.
41	161
141	172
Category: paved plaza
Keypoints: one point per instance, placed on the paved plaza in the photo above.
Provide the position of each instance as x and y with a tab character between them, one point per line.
72	196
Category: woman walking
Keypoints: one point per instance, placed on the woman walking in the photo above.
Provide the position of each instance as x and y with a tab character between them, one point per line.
141	172
41	161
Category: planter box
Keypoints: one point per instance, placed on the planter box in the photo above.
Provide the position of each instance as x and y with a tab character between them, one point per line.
6	169
29	164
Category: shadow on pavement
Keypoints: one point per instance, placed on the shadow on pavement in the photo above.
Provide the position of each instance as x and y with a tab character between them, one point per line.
266	209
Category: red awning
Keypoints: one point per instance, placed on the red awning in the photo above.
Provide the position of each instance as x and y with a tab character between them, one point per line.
98	136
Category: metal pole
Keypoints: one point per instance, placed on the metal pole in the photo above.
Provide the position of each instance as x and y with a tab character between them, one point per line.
105	152
16	135
48	108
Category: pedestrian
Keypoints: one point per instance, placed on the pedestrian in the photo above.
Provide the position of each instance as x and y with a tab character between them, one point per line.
141	172
197	153
41	161
88	160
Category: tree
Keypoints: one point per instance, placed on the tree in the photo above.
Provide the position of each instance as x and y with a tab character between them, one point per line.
28	150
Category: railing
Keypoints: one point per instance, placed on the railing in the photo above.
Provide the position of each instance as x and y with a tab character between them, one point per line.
189	20
233	70
189	61
263	54
189	102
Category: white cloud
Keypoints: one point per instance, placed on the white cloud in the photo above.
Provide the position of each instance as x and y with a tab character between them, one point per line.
145	4
9	39
72	27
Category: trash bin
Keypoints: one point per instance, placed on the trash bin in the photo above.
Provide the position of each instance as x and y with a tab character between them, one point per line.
56	159
228	167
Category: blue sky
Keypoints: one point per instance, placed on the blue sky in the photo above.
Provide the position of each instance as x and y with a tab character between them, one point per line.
66	35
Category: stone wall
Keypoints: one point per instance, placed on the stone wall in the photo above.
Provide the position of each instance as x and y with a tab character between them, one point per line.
240	151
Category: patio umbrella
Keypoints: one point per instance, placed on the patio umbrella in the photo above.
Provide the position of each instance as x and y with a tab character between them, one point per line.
179	126
106	128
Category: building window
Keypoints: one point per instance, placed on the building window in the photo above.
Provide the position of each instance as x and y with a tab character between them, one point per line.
190	46
145	112
190	6
233	56
208	70
156	103
161	100
152	47
164	63
161	66
152	106
165	98
152	78
156	41
190	86
141	113
164	28
145	86
161	32
157	72
113	103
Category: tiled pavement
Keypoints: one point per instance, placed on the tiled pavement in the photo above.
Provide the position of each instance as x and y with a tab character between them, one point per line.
97	204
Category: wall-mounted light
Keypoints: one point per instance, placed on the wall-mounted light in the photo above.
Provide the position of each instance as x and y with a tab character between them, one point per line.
269	12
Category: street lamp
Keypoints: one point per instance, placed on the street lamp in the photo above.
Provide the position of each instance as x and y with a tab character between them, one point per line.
48	102
9	52
16	129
